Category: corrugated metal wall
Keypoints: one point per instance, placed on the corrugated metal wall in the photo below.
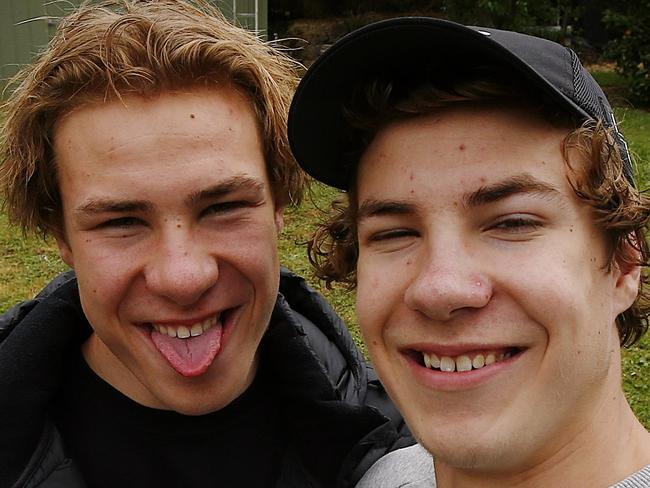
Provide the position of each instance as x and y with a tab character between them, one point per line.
25	28
251	14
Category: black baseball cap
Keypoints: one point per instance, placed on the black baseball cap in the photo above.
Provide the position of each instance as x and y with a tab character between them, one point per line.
410	45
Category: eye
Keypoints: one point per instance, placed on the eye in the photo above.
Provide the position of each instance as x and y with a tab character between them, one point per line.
121	223
395	234
226	207
517	224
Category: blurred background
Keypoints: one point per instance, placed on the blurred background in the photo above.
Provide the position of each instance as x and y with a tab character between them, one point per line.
613	34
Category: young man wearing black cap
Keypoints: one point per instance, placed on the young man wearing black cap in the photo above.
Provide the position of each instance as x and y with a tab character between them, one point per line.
495	234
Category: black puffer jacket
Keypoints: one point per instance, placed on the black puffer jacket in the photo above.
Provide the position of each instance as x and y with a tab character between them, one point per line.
342	420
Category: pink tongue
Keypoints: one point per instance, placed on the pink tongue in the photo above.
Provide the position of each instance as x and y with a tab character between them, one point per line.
191	356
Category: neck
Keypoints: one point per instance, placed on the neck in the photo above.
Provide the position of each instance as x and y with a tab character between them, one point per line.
611	438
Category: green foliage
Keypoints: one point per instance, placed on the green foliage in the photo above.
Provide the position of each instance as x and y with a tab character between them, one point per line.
502	14
521	15
629	24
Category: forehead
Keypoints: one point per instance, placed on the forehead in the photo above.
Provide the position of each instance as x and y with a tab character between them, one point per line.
109	122
131	129
174	141
460	148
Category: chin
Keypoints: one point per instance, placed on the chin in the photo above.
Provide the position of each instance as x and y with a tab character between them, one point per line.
482	455
194	407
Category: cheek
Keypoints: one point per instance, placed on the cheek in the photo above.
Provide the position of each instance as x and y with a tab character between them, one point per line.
376	298
254	253
101	292
105	276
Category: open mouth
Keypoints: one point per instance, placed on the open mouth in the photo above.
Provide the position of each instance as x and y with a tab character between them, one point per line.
183	332
191	348
464	362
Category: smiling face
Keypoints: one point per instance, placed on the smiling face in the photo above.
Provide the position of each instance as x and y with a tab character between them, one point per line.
482	293
172	230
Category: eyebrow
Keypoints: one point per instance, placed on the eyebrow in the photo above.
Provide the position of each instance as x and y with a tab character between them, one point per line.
379	208
102	205
236	183
231	185
523	183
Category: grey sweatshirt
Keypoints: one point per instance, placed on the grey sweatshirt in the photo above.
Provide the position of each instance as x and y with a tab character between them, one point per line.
412	467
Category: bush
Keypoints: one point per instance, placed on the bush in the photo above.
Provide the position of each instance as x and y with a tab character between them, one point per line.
503	14
520	15
629	24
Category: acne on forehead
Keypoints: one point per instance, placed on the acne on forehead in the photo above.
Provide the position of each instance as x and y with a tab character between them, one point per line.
466	132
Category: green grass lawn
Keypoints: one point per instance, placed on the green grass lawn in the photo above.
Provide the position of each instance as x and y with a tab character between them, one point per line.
28	263
635	124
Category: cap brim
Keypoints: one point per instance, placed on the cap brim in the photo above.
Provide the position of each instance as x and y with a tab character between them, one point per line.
403	45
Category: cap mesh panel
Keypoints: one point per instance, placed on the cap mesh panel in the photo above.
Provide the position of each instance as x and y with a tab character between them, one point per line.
584	94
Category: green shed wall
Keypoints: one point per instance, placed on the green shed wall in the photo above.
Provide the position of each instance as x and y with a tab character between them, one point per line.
25	27
251	14
20	37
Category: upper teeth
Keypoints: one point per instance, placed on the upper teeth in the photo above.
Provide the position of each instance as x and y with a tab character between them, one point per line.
184	332
462	362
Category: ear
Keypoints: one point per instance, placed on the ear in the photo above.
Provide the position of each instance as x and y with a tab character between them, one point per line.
279	219
627	275
64	249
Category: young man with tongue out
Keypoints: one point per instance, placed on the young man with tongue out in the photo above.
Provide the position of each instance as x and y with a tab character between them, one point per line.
150	140
495	234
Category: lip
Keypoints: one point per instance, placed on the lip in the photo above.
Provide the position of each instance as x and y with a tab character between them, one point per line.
458	380
228	318
457	349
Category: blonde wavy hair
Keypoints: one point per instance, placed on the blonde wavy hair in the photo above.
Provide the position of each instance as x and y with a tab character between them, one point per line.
594	170
107	50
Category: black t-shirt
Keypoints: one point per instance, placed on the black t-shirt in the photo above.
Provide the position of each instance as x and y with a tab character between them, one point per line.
118	442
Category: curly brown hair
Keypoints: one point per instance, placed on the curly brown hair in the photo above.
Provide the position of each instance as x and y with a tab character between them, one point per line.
105	51
596	175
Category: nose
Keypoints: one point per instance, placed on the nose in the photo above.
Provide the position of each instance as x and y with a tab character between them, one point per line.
447	281
181	269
